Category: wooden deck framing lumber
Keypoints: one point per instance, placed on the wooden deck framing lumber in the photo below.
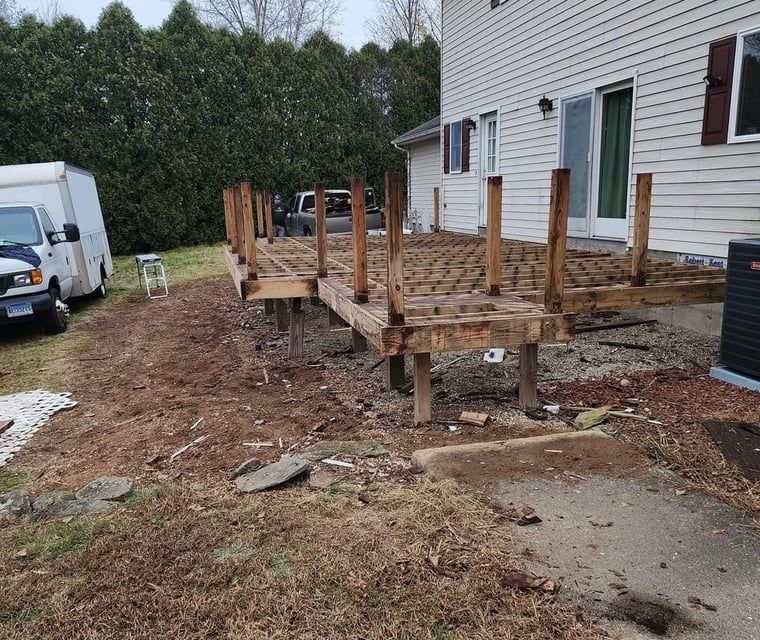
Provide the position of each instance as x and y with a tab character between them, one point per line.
428	293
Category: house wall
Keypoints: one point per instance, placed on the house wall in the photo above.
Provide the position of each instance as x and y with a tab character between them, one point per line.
507	58
424	176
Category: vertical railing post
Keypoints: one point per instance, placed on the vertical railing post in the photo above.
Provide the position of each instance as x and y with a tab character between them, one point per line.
436	210
250	237
556	244
227	225
261	232
641	229
320	214
239	224
359	233
268	216
493	237
395	248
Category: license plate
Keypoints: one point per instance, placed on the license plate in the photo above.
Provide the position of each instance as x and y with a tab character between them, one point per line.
20	309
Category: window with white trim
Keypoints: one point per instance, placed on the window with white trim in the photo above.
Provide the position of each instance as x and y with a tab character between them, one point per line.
491	146
456	146
745	113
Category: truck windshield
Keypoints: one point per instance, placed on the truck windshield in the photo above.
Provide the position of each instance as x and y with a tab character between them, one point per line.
18	225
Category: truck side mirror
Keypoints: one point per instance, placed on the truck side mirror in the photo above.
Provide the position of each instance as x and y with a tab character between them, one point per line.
71	231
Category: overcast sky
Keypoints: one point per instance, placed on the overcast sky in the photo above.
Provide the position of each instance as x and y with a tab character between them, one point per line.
150	13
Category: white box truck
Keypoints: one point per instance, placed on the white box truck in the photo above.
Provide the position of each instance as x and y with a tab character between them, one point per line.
53	242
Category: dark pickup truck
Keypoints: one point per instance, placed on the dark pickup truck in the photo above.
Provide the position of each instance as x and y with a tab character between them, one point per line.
338	208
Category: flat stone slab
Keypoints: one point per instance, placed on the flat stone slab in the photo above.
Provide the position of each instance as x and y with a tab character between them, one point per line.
61	504
106	488
14	505
619	536
272	475
330	448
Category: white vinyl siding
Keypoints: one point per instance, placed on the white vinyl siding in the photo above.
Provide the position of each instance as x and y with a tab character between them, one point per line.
703	196
424	176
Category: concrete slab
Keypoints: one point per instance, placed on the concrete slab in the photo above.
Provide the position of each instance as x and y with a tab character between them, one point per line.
620	539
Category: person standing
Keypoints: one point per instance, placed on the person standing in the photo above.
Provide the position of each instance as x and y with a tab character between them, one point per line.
280	215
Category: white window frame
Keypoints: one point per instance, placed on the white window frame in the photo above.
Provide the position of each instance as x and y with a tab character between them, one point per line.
733	138
451	147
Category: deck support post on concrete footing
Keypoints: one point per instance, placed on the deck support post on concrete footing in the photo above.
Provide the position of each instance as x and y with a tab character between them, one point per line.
423	411
269	306
358	342
281	315
528	394
395	372
333	319
295	338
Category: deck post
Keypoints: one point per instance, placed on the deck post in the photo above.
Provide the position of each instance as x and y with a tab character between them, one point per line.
358	341
493	237
320	210
528	393
436	210
268	306
227	225
359	233
394	365
281	315
250	238
641	229
268	216
239	223
395	372
333	319
556	244
260	231
395	249
422	402
295	339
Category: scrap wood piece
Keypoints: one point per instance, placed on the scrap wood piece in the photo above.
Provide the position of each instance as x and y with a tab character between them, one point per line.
5	425
182	450
529	582
593	418
624	345
698	602
470	417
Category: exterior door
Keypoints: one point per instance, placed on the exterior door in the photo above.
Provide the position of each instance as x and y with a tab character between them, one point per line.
595	144
575	154
489	160
613	172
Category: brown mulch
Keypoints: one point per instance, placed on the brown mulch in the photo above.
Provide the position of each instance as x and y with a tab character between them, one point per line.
683	401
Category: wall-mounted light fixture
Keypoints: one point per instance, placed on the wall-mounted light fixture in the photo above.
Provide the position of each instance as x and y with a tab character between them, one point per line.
545	106
470	124
713	81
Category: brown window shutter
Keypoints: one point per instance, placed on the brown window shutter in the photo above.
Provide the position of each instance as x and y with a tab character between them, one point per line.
718	99
465	147
447	148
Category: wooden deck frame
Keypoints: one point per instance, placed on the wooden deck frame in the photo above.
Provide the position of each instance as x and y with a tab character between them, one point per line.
426	293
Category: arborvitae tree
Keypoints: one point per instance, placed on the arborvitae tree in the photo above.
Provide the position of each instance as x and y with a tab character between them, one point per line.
167	118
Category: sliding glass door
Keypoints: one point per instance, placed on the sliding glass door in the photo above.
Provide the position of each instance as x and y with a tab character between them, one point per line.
595	144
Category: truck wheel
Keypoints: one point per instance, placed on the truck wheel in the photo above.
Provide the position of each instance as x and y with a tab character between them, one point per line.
102	291
307	231
56	320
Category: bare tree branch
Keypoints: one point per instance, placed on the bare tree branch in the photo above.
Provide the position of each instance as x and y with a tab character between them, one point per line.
293	20
8	10
407	20
49	11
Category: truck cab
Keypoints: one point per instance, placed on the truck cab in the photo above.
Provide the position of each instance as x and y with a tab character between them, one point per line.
338	212
36	276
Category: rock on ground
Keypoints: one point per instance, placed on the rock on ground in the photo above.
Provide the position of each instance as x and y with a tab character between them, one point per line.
272	475
249	466
62	504
330	448
14	505
106	488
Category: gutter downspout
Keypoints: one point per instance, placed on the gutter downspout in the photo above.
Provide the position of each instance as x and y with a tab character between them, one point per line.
408	179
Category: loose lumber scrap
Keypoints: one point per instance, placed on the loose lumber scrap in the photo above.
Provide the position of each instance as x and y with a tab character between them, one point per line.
5	425
471	417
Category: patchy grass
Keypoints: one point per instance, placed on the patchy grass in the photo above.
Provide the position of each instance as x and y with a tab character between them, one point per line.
11	480
418	562
33	360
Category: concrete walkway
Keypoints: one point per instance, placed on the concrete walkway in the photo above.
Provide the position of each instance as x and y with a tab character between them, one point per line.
617	535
